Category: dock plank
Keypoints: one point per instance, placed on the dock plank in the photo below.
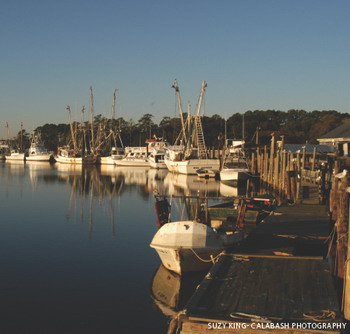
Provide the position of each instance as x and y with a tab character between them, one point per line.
248	287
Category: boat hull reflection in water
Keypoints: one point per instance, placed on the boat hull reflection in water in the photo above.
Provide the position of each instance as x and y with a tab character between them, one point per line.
171	291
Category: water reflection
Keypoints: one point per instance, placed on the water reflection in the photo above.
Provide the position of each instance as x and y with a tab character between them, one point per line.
79	237
171	292
187	185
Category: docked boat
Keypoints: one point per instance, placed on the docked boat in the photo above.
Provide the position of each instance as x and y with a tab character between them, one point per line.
205	173
38	152
4	148
156	160
194	154
234	169
157	148
189	246
15	155
135	157
68	156
117	153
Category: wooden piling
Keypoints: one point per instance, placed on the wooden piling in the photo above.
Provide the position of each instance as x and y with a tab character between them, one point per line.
346	301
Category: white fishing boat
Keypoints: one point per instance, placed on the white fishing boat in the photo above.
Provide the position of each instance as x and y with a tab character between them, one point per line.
135	156
191	165
188	246
68	156
4	149
194	154
14	151
156	160
157	148
234	169
38	152
15	155
205	173
117	153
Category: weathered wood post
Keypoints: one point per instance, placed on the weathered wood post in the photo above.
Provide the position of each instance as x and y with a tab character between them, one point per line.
298	177
313	159
272	157
346	302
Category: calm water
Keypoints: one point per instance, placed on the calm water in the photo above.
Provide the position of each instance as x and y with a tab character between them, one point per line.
74	248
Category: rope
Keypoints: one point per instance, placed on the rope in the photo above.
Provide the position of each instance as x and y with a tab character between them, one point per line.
251	317
322	315
212	258
331	239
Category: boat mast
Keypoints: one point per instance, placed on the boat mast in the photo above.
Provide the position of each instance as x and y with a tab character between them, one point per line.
202	150
8	134
114	107
92	120
21	144
83	129
177	93
71	129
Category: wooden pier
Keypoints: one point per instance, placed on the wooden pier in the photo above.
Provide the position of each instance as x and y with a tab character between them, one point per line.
279	278
263	293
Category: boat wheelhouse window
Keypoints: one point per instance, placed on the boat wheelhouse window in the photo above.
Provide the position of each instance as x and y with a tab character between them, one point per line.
236	164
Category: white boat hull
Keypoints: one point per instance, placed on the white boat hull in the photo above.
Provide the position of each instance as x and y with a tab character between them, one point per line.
133	162
190	167
234	174
158	165
15	156
110	160
69	160
39	157
184	260
188	246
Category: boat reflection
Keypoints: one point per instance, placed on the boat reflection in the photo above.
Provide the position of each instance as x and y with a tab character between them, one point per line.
234	189
187	185
171	292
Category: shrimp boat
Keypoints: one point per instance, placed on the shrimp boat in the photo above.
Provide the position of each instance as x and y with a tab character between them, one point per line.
13	153
189	246
194	154
69	156
117	152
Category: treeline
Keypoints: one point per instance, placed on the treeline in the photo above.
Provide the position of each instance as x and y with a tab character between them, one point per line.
297	126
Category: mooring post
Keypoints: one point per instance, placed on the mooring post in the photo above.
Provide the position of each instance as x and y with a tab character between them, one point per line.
313	159
346	301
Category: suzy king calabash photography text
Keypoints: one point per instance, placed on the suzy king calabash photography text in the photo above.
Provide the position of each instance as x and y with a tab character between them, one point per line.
278	325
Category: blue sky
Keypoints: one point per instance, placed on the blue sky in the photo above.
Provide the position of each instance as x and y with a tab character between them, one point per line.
254	54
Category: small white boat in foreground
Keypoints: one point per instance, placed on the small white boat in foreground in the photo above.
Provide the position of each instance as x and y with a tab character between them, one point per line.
188	246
